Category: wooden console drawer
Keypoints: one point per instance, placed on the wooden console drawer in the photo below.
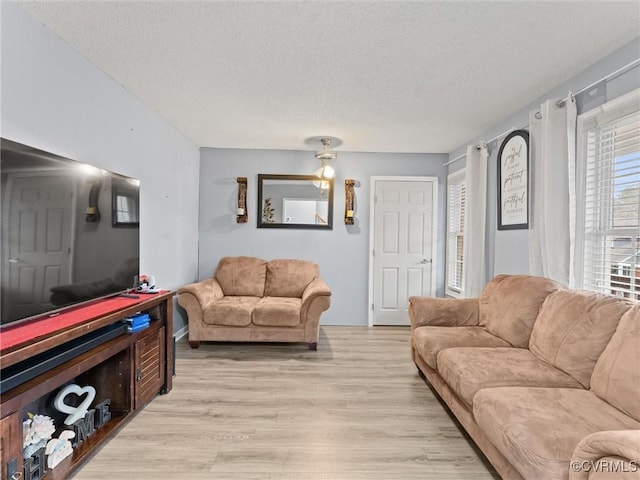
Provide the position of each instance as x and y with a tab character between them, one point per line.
149	366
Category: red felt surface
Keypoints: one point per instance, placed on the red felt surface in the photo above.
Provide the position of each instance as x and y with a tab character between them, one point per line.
30	331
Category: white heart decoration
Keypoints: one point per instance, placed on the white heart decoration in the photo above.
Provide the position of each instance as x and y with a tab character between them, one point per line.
78	412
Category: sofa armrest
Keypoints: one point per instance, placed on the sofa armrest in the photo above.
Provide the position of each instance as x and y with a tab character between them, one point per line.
602	453
443	312
315	299
195	296
316	288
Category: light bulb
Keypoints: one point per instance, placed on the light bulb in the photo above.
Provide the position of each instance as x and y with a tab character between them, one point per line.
325	172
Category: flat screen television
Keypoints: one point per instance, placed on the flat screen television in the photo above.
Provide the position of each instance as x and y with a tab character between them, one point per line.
70	233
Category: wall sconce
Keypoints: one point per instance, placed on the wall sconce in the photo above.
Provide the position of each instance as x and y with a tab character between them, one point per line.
241	212
349	201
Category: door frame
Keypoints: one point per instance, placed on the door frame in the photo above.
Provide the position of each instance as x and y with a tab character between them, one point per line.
434	235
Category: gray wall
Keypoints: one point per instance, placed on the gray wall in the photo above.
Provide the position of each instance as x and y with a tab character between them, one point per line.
342	253
508	250
55	100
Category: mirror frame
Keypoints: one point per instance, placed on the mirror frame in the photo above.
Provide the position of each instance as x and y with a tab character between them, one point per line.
309	178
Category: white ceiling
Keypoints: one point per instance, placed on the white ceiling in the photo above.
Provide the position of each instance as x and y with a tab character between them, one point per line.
382	76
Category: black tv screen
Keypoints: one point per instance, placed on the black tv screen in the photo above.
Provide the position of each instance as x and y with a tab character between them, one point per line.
70	232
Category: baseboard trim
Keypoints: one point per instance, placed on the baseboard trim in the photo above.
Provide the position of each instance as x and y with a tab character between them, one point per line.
181	333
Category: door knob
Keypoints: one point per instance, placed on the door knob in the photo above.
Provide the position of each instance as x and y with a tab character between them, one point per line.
425	261
13	260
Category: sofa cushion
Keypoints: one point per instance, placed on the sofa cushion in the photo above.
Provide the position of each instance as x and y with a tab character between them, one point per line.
428	341
537	429
289	278
509	306
573	328
234	311
616	376
277	312
467	370
243	276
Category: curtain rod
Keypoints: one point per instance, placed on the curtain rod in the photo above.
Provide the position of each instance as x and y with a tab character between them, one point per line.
478	146
560	103
563	101
611	76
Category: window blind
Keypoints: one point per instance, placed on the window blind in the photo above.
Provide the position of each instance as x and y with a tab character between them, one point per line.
455	233
612	207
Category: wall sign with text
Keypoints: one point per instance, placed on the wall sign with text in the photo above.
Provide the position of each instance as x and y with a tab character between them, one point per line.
513	182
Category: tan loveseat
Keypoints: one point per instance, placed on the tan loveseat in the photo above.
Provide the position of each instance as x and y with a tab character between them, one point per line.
546	380
251	300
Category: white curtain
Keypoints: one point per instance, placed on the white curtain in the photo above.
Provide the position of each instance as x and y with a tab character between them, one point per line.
475	220
552	191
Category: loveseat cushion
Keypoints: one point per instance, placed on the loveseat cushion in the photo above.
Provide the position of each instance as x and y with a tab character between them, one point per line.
616	376
234	311
277	312
289	278
573	328
242	276
428	341
537	429
467	370
509	306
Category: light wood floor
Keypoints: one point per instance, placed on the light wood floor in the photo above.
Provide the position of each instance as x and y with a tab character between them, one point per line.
356	410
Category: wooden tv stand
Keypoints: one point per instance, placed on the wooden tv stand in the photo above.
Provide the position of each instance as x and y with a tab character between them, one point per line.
126	369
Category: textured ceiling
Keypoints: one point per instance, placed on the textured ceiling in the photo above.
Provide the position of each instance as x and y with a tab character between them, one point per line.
381	76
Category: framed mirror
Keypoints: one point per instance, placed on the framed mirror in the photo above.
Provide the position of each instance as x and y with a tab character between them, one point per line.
295	201
125	204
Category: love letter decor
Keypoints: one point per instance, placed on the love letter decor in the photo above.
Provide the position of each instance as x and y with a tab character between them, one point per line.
75	413
513	182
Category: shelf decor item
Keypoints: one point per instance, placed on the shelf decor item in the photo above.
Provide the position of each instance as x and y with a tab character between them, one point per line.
349	201
74	413
513	182
36	431
241	212
58	449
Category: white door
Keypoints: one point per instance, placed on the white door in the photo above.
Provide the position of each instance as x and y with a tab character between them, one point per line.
404	220
38	236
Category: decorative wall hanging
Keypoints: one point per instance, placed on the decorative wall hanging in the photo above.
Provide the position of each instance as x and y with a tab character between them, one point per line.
349	201
513	182
294	201
241	214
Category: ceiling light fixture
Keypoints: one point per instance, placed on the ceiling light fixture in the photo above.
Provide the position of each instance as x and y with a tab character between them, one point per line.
326	171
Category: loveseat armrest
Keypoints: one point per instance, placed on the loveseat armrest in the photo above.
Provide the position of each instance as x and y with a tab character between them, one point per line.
317	288
443	312
316	298
603	453
195	296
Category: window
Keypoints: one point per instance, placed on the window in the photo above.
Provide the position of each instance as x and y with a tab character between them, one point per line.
455	233
611	209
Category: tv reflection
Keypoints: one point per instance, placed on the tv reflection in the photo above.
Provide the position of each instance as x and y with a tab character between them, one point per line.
70	232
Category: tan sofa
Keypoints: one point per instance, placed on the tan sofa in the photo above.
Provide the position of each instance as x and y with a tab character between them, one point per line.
546	380
251	300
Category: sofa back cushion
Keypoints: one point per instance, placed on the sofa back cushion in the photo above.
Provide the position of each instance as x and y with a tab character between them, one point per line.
616	376
509	305
573	328
242	276
289	278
